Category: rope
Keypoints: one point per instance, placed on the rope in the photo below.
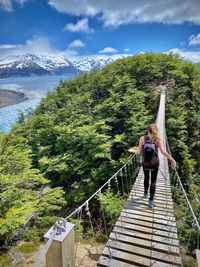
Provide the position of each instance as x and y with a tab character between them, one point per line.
183	190
126	178
79	215
179	185
105	184
122	182
116	181
91	225
104	222
112	221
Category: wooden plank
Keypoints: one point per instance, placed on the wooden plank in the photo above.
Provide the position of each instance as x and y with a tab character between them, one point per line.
141	199
158	189
140	192
145	229
150	224
133	204
155	255
105	261
149	214
143	218
127	257
160	186
157	193
158	201
158	236
158	182
146	209
170	249
161	202
161	197
133	259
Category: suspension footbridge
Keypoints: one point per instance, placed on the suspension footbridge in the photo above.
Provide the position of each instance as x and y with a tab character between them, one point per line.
141	236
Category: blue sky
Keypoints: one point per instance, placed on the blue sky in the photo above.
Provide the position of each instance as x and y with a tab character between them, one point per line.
82	28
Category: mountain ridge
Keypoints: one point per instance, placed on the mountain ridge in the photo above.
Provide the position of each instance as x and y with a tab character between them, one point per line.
31	64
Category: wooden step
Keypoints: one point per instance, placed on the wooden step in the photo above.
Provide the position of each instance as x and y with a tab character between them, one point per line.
132	259
157	206
151	224
150	214
157	200
147	219
105	261
170	249
158	236
167	213
146	228
151	254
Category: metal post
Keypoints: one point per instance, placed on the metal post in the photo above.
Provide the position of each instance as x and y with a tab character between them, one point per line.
61	251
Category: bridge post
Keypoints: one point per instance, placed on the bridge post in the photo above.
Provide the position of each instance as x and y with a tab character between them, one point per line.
198	257
61	250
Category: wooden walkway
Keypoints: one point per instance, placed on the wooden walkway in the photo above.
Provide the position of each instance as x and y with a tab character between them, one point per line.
144	236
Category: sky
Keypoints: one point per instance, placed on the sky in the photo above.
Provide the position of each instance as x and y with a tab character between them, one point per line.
76	28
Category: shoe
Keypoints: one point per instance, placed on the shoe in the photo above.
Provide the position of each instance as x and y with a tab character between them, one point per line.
145	195
151	203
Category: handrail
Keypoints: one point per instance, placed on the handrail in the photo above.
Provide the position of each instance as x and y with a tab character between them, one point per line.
41	255
183	190
99	190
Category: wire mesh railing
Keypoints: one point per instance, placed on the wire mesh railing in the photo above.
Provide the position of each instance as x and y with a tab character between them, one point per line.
188	225
96	217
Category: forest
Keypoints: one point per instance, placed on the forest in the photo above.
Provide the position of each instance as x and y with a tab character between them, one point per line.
58	155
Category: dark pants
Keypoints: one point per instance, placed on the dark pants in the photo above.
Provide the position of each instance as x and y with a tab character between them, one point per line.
154	172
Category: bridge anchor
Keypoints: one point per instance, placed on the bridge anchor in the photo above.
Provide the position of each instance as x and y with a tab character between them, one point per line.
61	250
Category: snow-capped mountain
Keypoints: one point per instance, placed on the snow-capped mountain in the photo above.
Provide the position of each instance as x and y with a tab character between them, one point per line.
29	64
95	62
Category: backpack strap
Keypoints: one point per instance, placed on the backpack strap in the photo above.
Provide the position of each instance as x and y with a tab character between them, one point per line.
147	139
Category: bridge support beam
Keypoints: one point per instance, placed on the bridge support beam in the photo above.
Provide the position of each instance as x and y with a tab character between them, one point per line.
61	251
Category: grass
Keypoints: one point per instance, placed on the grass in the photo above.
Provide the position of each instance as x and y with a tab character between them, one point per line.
26	247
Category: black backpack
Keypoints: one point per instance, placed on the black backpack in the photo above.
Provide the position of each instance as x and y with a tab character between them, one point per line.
150	153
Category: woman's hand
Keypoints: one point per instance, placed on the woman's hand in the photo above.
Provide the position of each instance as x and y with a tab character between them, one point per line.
132	150
173	162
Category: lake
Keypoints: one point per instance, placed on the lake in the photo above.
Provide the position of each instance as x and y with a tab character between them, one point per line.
34	87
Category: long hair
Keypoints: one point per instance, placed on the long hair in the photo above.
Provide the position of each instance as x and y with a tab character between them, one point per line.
153	130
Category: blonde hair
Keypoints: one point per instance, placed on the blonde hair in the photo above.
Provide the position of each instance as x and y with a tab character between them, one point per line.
153	130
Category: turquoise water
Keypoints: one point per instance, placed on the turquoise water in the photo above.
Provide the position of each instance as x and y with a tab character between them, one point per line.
34	87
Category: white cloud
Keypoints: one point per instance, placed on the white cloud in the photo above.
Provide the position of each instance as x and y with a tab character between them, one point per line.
108	50
194	56
126	49
7	5
80	26
114	13
76	43
194	40
36	45
9	46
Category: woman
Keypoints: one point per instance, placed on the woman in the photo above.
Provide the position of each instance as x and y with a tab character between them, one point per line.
150	144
